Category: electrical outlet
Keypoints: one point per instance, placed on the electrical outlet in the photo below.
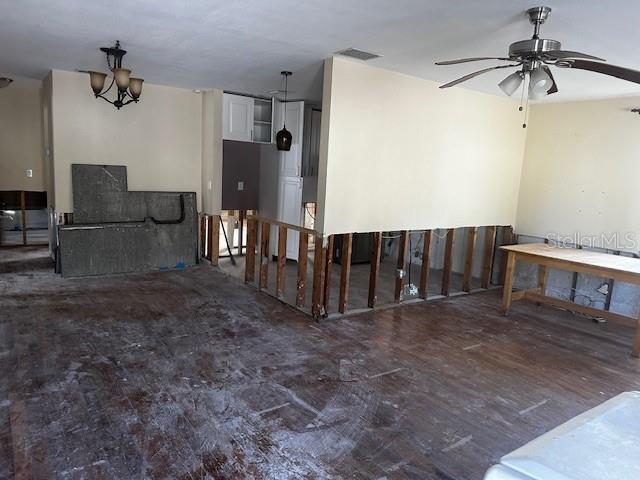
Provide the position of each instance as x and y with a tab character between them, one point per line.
29	173
410	289
240	186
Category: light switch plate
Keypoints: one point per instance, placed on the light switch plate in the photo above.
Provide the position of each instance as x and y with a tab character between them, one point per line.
240	186
29	173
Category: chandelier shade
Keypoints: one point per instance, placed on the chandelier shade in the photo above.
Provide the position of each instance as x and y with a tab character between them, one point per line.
97	81
122	77
135	86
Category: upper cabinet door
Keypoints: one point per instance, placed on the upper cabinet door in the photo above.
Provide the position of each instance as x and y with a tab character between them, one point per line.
237	114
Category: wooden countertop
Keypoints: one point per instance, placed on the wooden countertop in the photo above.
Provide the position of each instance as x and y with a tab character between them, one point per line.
575	256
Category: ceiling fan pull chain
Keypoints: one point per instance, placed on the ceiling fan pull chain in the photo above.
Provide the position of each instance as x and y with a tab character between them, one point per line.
524	99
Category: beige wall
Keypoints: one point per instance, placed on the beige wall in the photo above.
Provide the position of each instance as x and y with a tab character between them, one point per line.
159	139
21	136
47	136
581	171
399	153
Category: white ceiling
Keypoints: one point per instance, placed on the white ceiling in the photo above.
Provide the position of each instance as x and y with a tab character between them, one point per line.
243	45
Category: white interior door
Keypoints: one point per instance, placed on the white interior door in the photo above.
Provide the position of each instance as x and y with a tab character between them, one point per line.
290	210
237	114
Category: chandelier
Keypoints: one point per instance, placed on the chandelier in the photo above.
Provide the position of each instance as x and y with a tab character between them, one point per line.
128	88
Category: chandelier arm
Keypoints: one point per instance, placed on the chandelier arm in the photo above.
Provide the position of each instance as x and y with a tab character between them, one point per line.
104	92
100	95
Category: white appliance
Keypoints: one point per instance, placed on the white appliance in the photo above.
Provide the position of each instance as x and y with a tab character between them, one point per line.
602	443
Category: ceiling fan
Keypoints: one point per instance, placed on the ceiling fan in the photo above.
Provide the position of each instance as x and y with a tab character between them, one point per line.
534	56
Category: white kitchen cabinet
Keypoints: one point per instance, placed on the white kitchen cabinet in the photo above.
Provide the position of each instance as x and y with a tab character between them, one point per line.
237	114
262	120
247	119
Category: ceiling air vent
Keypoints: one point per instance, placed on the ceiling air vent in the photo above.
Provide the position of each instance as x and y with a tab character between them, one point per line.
358	54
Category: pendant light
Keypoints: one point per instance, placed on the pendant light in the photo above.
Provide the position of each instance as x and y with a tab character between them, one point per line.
283	137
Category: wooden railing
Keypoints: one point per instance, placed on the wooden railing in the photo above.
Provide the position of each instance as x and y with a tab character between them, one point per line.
253	224
323	262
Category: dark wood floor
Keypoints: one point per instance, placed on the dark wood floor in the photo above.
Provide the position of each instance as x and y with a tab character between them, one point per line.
189	375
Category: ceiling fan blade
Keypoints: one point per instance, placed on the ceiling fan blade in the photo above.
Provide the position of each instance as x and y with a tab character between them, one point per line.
475	74
562	54
606	69
554	86
474	59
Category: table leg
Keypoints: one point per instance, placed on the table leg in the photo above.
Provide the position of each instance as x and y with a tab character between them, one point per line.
542	280
508	282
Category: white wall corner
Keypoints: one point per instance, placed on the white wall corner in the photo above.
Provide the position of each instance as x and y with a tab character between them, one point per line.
324	145
212	151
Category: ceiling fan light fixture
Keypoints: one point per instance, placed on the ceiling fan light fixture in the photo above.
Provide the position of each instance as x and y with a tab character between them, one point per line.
511	83
539	84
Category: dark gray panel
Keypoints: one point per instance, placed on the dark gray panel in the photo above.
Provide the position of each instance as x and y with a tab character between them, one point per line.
241	163
98	249
90	185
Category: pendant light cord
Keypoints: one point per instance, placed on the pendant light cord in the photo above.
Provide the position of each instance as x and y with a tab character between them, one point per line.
286	87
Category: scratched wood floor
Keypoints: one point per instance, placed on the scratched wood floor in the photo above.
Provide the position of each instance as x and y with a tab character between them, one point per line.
189	375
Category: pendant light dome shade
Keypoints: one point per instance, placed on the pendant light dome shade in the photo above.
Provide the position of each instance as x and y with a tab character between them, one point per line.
283	137
511	83
540	82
